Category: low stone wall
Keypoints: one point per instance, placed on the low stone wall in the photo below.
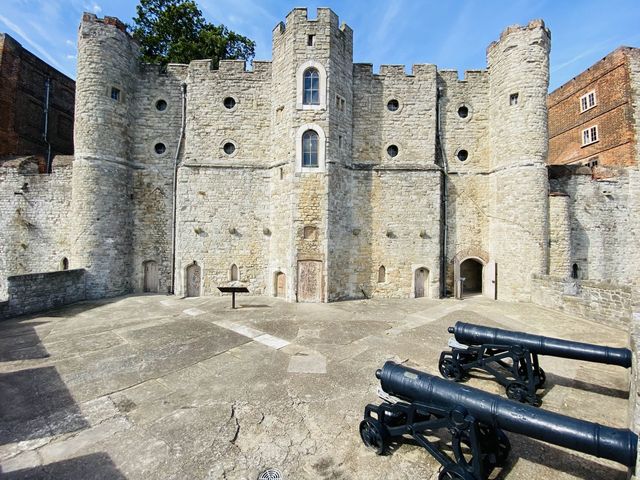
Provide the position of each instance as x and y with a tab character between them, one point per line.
36	292
605	303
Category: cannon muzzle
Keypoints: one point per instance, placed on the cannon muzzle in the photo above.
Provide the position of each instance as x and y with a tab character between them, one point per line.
619	445
471	334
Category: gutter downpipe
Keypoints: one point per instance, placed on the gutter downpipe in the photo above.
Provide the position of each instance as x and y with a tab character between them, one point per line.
175	189
444	203
45	134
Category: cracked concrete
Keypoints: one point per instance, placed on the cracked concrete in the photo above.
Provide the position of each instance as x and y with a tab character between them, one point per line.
155	387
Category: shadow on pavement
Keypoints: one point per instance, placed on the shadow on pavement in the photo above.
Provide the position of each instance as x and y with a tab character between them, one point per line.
35	403
97	466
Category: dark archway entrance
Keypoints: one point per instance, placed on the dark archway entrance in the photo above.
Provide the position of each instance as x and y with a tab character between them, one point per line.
471	271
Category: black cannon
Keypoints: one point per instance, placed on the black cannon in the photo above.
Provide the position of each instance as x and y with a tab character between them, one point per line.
420	404
512	357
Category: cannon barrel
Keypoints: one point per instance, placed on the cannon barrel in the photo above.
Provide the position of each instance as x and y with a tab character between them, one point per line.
411	385
471	334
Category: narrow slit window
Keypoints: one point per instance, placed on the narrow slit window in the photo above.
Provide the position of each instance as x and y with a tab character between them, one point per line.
513	99
382	274
115	94
311	40
233	273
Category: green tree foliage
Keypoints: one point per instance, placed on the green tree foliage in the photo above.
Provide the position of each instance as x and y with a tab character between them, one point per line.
174	31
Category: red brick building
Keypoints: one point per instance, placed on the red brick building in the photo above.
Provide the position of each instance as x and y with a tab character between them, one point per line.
591	116
36	105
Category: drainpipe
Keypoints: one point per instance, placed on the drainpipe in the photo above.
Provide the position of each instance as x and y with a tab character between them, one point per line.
443	200
175	189
45	134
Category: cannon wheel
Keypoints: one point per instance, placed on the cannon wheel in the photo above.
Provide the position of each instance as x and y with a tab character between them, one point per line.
450	369
374	435
517	391
453	472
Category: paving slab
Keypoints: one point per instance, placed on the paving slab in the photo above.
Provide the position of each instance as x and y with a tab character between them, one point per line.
158	387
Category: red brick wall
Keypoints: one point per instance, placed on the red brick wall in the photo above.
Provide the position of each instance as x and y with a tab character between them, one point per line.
23	95
9	72
612	114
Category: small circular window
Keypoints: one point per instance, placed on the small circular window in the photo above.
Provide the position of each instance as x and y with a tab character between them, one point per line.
393	105
229	103
462	155
392	151
160	148
229	148
161	105
463	112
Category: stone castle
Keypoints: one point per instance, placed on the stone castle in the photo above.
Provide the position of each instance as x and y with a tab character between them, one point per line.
310	177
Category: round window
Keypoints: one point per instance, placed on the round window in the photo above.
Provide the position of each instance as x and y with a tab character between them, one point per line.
393	105
392	151
463	112
229	103
229	148
463	155
161	105
160	148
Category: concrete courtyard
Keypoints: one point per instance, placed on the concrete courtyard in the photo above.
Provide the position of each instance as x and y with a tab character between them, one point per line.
157	387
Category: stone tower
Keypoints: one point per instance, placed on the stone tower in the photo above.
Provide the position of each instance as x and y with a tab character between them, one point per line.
518	67
304	221
101	230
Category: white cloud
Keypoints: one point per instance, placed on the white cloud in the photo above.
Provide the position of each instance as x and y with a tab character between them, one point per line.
71	43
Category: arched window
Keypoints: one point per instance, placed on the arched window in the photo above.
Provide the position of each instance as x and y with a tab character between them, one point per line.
574	270
234	272
64	264
310	149
311	87
382	274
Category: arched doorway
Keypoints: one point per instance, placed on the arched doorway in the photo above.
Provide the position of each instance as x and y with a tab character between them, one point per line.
471	271
420	282
194	276
281	285
150	282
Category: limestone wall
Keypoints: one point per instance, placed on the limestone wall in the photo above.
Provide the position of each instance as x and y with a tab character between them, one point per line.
152	179
36	292
559	235
601	237
608	303
220	222
34	216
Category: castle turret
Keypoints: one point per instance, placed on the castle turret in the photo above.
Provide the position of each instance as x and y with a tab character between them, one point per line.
312	102
518	81
102	191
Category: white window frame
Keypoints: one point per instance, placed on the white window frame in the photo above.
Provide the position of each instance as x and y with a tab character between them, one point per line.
586	103
322	140
322	85
590	135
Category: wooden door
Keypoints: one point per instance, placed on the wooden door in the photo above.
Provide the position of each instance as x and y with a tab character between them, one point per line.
490	280
150	276
281	285
309	281
420	280
193	280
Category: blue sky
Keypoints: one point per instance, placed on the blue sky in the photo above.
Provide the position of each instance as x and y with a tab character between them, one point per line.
453	34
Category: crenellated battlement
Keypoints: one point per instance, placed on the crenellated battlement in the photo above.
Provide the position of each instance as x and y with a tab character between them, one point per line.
299	17
229	68
398	71
89	18
470	76
535	28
